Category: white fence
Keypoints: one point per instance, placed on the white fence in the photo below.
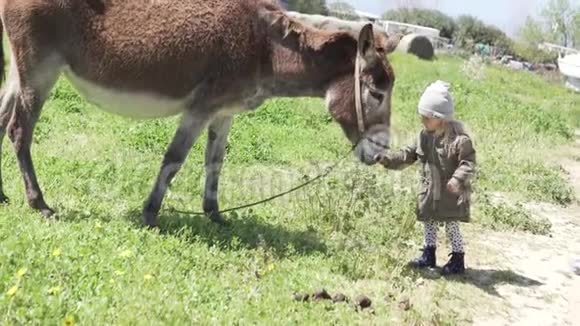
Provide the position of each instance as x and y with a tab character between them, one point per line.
563	51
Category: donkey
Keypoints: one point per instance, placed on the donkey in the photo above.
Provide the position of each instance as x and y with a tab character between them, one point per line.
203	59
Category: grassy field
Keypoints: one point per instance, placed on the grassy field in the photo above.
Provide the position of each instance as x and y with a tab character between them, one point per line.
352	232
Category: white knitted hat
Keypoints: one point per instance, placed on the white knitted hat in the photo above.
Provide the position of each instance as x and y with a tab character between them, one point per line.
436	101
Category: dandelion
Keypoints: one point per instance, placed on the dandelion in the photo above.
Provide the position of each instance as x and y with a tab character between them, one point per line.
21	272
68	321
119	273
98	226
54	290
12	291
148	277
126	254
56	252
112	281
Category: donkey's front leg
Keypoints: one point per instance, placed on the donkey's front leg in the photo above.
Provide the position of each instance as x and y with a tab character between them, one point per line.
189	129
214	158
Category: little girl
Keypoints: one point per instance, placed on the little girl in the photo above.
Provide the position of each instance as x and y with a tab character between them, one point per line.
448	159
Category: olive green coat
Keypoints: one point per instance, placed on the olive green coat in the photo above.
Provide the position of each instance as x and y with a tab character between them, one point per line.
439	165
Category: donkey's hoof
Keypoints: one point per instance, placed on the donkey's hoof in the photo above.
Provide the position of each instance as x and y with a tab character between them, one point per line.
4	199
150	220
47	213
217	218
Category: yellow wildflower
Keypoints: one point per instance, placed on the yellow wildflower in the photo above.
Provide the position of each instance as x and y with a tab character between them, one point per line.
56	252
126	254
54	290
148	277
68	321
12	291
21	272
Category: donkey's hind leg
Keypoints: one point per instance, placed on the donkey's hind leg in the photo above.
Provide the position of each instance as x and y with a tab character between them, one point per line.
189	129
7	102
35	79
5	115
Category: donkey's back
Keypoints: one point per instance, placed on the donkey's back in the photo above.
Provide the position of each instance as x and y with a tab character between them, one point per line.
160	48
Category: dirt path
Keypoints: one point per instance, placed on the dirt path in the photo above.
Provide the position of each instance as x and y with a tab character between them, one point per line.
539	287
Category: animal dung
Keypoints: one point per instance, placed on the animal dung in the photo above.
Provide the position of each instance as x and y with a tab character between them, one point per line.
301	297
363	302
405	305
321	295
339	297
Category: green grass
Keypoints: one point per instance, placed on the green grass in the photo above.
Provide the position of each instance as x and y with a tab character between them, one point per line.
352	232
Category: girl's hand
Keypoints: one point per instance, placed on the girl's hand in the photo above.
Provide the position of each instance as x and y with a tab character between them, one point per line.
381	158
453	186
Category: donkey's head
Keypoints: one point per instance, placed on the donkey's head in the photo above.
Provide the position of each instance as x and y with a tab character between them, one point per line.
357	76
361	101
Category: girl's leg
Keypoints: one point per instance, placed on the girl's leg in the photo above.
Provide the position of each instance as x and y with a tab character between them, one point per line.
454	236
456	264
427	259
430	233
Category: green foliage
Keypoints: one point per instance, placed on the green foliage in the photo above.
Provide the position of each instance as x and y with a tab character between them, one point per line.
502	216
561	17
532	54
471	31
559	23
342	10
352	232
424	17
532	32
308	6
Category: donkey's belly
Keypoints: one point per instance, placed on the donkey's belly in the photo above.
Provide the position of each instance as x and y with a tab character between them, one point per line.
138	105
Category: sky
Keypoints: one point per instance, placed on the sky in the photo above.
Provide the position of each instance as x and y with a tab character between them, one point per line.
509	15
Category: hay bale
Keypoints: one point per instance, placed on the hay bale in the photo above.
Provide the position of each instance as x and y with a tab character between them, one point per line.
418	45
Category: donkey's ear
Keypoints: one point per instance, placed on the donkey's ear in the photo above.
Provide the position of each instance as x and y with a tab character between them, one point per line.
281	27
392	43
366	43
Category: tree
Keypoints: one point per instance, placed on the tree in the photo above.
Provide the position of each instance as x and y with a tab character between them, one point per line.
577	28
471	31
558	22
468	30
532	32
561	19
408	4
308	6
424	17
342	10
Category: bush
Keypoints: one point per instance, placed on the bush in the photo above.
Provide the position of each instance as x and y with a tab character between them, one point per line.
424	17
471	30
532	54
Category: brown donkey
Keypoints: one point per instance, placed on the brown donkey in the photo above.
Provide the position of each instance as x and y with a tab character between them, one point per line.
203	59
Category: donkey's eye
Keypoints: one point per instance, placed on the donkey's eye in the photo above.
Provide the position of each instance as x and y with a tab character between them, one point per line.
378	96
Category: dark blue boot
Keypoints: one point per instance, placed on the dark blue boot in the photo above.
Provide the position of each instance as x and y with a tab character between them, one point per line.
456	264
427	259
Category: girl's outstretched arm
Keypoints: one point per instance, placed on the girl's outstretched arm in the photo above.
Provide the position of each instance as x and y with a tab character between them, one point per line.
401	159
